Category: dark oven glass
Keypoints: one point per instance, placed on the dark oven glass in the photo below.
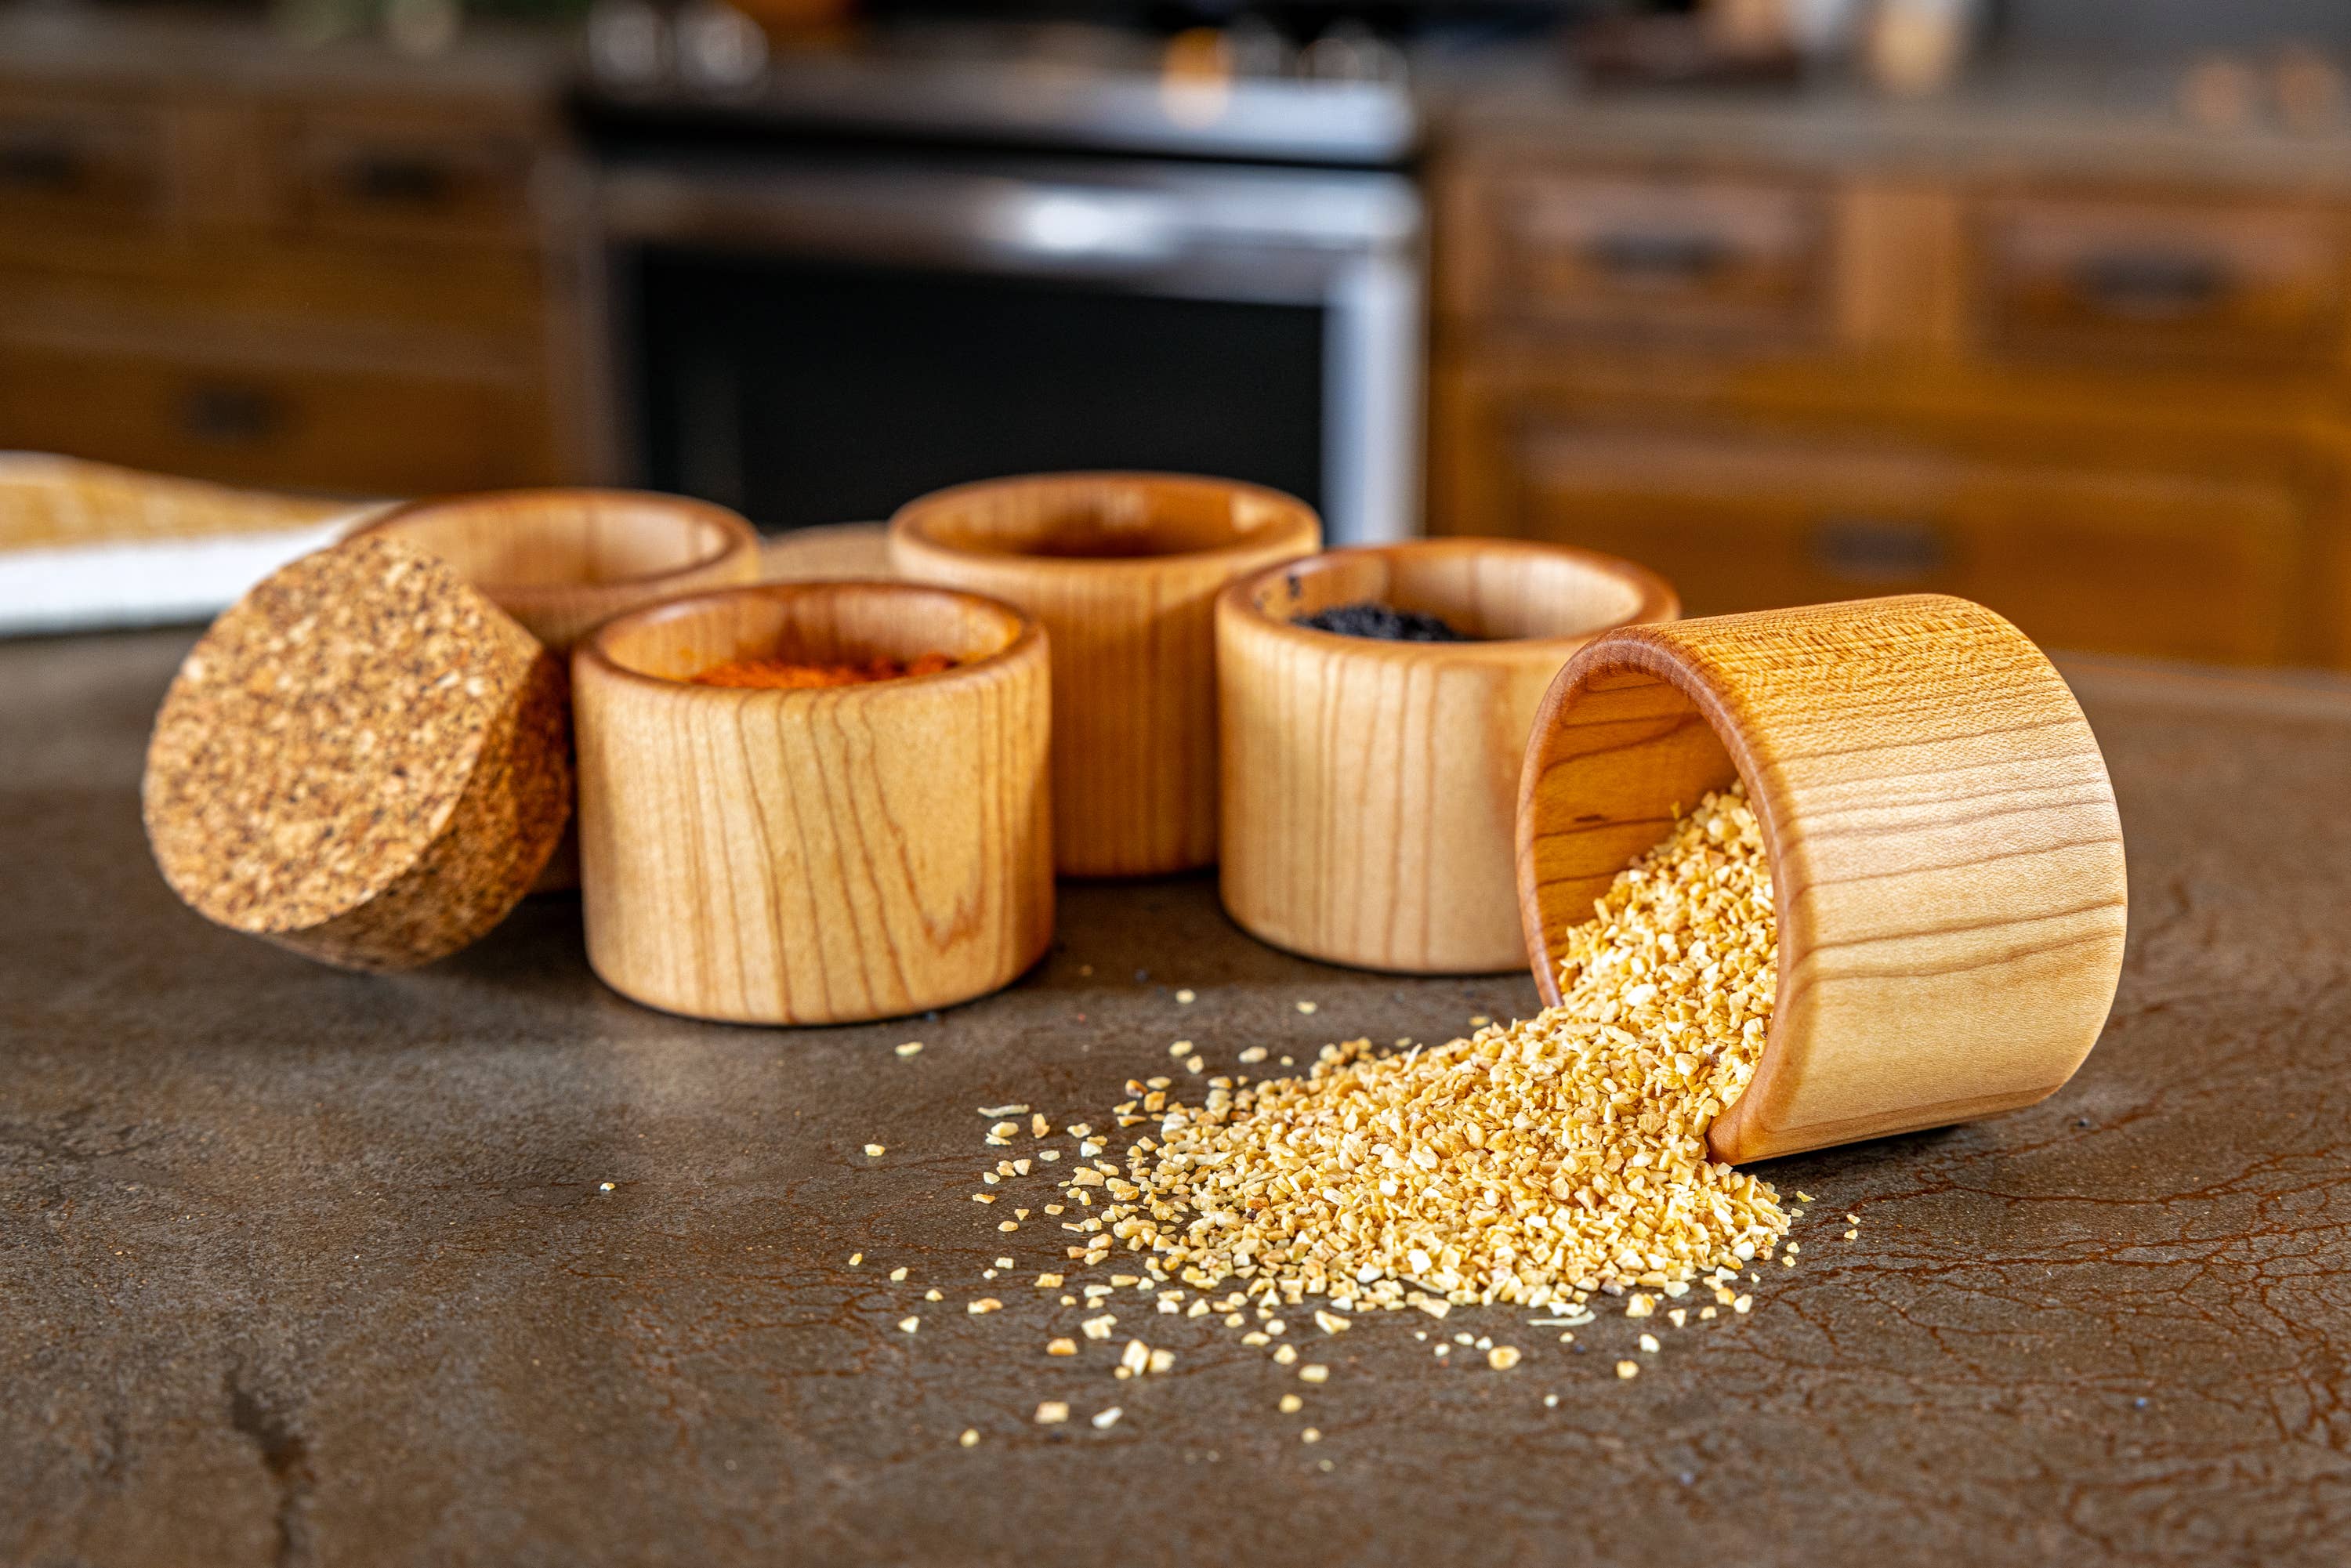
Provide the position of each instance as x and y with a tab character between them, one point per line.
803	394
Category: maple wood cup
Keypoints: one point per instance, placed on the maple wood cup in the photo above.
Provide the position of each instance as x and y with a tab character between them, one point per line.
816	856
1369	786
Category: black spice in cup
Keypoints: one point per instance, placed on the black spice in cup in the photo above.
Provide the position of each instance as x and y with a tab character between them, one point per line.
1384	622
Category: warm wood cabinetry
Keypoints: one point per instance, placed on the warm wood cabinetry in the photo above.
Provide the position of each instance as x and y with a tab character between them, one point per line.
1780	368
314	271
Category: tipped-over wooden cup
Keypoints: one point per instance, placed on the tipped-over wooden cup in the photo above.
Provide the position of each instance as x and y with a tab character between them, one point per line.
818	856
1369	786
1946	864
1122	569
563	563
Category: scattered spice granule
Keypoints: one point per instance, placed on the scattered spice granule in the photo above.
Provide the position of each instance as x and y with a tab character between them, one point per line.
1104	1420
1291	1403
1061	1347
1313	1372
855	1258
908	1326
1551	1401
970	1437
784	674
911	1048
1649	1344
1255	1054
1185	997
1853	1236
604	1186
1502	1357
1310	1435
932	1296
1743	1305
1331	1322
1053	1413
1628	1369
1529	1164
985	1304
873	1150
1284	1355
1307	1006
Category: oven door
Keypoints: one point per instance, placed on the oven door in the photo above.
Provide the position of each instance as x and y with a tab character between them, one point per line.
819	337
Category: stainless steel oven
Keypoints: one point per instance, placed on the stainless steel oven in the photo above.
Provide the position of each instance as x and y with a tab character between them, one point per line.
816	329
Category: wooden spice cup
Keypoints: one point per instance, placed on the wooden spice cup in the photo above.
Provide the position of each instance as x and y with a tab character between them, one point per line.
1122	569
1947	862
819	856
564	561
1369	786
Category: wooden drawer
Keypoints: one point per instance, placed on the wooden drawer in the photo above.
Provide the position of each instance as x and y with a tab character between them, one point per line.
2102	278
2127	562
1688	258
80	164
360	431
387	179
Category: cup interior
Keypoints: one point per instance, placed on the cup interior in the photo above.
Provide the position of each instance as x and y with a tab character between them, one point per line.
1110	516
566	538
1492	590
812	623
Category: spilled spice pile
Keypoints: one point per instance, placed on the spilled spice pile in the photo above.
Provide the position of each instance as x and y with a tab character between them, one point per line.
783	674
1532	1164
1383	622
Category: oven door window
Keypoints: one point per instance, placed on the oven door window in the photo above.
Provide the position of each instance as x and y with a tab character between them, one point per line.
801	393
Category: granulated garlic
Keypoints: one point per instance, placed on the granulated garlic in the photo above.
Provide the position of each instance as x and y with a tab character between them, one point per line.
1529	1164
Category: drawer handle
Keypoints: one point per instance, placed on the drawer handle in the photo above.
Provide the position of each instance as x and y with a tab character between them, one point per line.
230	414
1880	549
49	163
397	182
1661	259
2151	284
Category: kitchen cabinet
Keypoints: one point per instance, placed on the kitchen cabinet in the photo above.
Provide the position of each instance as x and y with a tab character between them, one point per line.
329	270
1783	362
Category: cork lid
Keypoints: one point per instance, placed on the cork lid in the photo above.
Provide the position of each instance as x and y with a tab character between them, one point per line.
364	760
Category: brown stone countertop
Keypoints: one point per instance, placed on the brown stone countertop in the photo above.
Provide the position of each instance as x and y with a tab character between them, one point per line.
303	1267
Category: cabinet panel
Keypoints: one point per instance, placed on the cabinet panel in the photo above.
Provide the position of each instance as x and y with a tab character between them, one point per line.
2118	562
2105	278
80	164
358	429
378	178
1691	258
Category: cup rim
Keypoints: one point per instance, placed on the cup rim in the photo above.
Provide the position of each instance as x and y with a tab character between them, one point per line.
1027	633
910	522
737	537
1657	599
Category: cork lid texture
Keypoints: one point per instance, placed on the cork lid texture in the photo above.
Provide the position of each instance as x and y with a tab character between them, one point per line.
364	760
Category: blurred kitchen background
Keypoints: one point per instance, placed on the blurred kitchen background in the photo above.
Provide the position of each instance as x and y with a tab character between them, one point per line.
2038	301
